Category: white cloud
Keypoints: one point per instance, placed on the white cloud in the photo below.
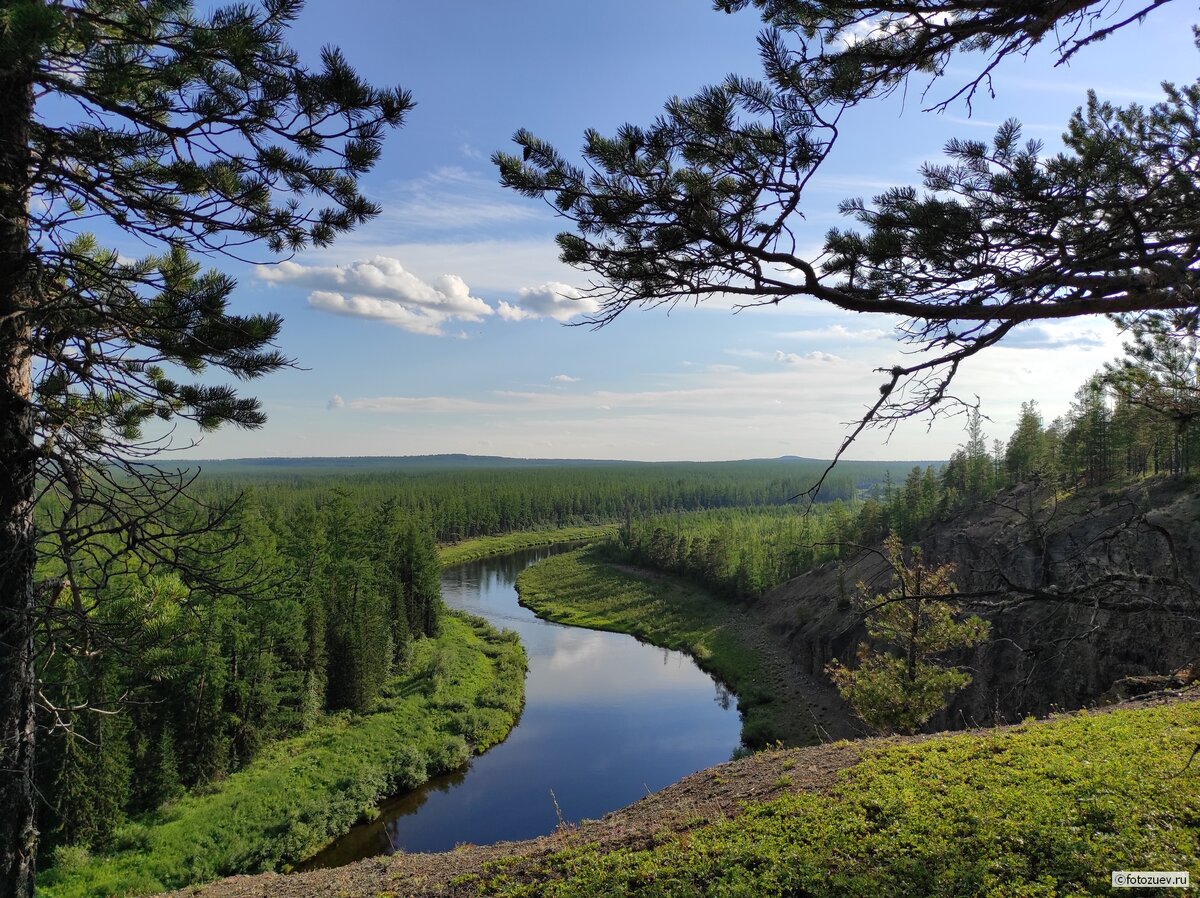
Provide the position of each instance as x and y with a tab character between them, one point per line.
792	358
414	320
728	391
836	332
565	379
870	31
800	408
490	266
335	401
382	289
747	354
450	199
551	300
513	313
1106	91
971	122
433	404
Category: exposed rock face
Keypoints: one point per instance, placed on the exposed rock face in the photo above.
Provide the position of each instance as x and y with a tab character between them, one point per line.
1081	594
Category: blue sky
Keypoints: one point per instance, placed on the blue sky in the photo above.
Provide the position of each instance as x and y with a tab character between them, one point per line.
439	327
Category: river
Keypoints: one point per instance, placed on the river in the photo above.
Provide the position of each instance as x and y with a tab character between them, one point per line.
607	719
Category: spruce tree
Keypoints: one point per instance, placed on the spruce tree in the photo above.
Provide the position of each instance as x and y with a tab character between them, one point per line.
1161	374
416	566
1025	452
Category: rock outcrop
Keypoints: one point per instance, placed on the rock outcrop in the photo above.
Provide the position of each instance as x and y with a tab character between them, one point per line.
1082	594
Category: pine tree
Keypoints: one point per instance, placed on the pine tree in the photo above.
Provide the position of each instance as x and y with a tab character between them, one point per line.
902	679
712	198
195	133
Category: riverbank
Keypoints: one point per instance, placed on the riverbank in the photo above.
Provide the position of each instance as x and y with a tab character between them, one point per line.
463	692
1041	808
486	546
779	702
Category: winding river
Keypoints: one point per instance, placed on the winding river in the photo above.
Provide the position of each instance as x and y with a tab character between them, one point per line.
607	719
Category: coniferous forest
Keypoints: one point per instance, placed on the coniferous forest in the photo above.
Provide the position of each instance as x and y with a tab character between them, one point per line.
315	587
248	666
319	604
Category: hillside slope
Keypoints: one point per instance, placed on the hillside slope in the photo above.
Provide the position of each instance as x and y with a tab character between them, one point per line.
1081	592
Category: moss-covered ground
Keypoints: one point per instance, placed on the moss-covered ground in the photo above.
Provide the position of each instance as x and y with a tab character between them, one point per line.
1042	809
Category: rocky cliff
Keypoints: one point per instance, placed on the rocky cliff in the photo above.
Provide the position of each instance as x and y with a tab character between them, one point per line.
1082	593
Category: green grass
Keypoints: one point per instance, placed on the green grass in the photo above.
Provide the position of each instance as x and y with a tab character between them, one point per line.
463	693
484	546
1041	810
578	588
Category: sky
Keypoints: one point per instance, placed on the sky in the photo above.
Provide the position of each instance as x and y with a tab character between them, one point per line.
444	324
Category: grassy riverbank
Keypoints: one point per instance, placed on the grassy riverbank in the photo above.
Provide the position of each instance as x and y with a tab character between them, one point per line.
580	589
485	546
462	693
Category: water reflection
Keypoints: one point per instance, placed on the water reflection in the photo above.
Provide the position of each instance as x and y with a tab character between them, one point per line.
607	719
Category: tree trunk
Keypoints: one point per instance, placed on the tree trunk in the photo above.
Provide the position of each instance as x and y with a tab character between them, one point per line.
914	631
18	470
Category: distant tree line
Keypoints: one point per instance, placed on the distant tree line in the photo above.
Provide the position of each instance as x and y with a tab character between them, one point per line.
465	503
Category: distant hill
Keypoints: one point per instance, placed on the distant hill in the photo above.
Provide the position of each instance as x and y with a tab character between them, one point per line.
347	463
460	461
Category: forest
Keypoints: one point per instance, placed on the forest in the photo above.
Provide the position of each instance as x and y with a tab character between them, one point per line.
319	581
319	606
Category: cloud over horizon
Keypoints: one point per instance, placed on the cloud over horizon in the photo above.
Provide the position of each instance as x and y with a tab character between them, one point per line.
793	358
381	288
